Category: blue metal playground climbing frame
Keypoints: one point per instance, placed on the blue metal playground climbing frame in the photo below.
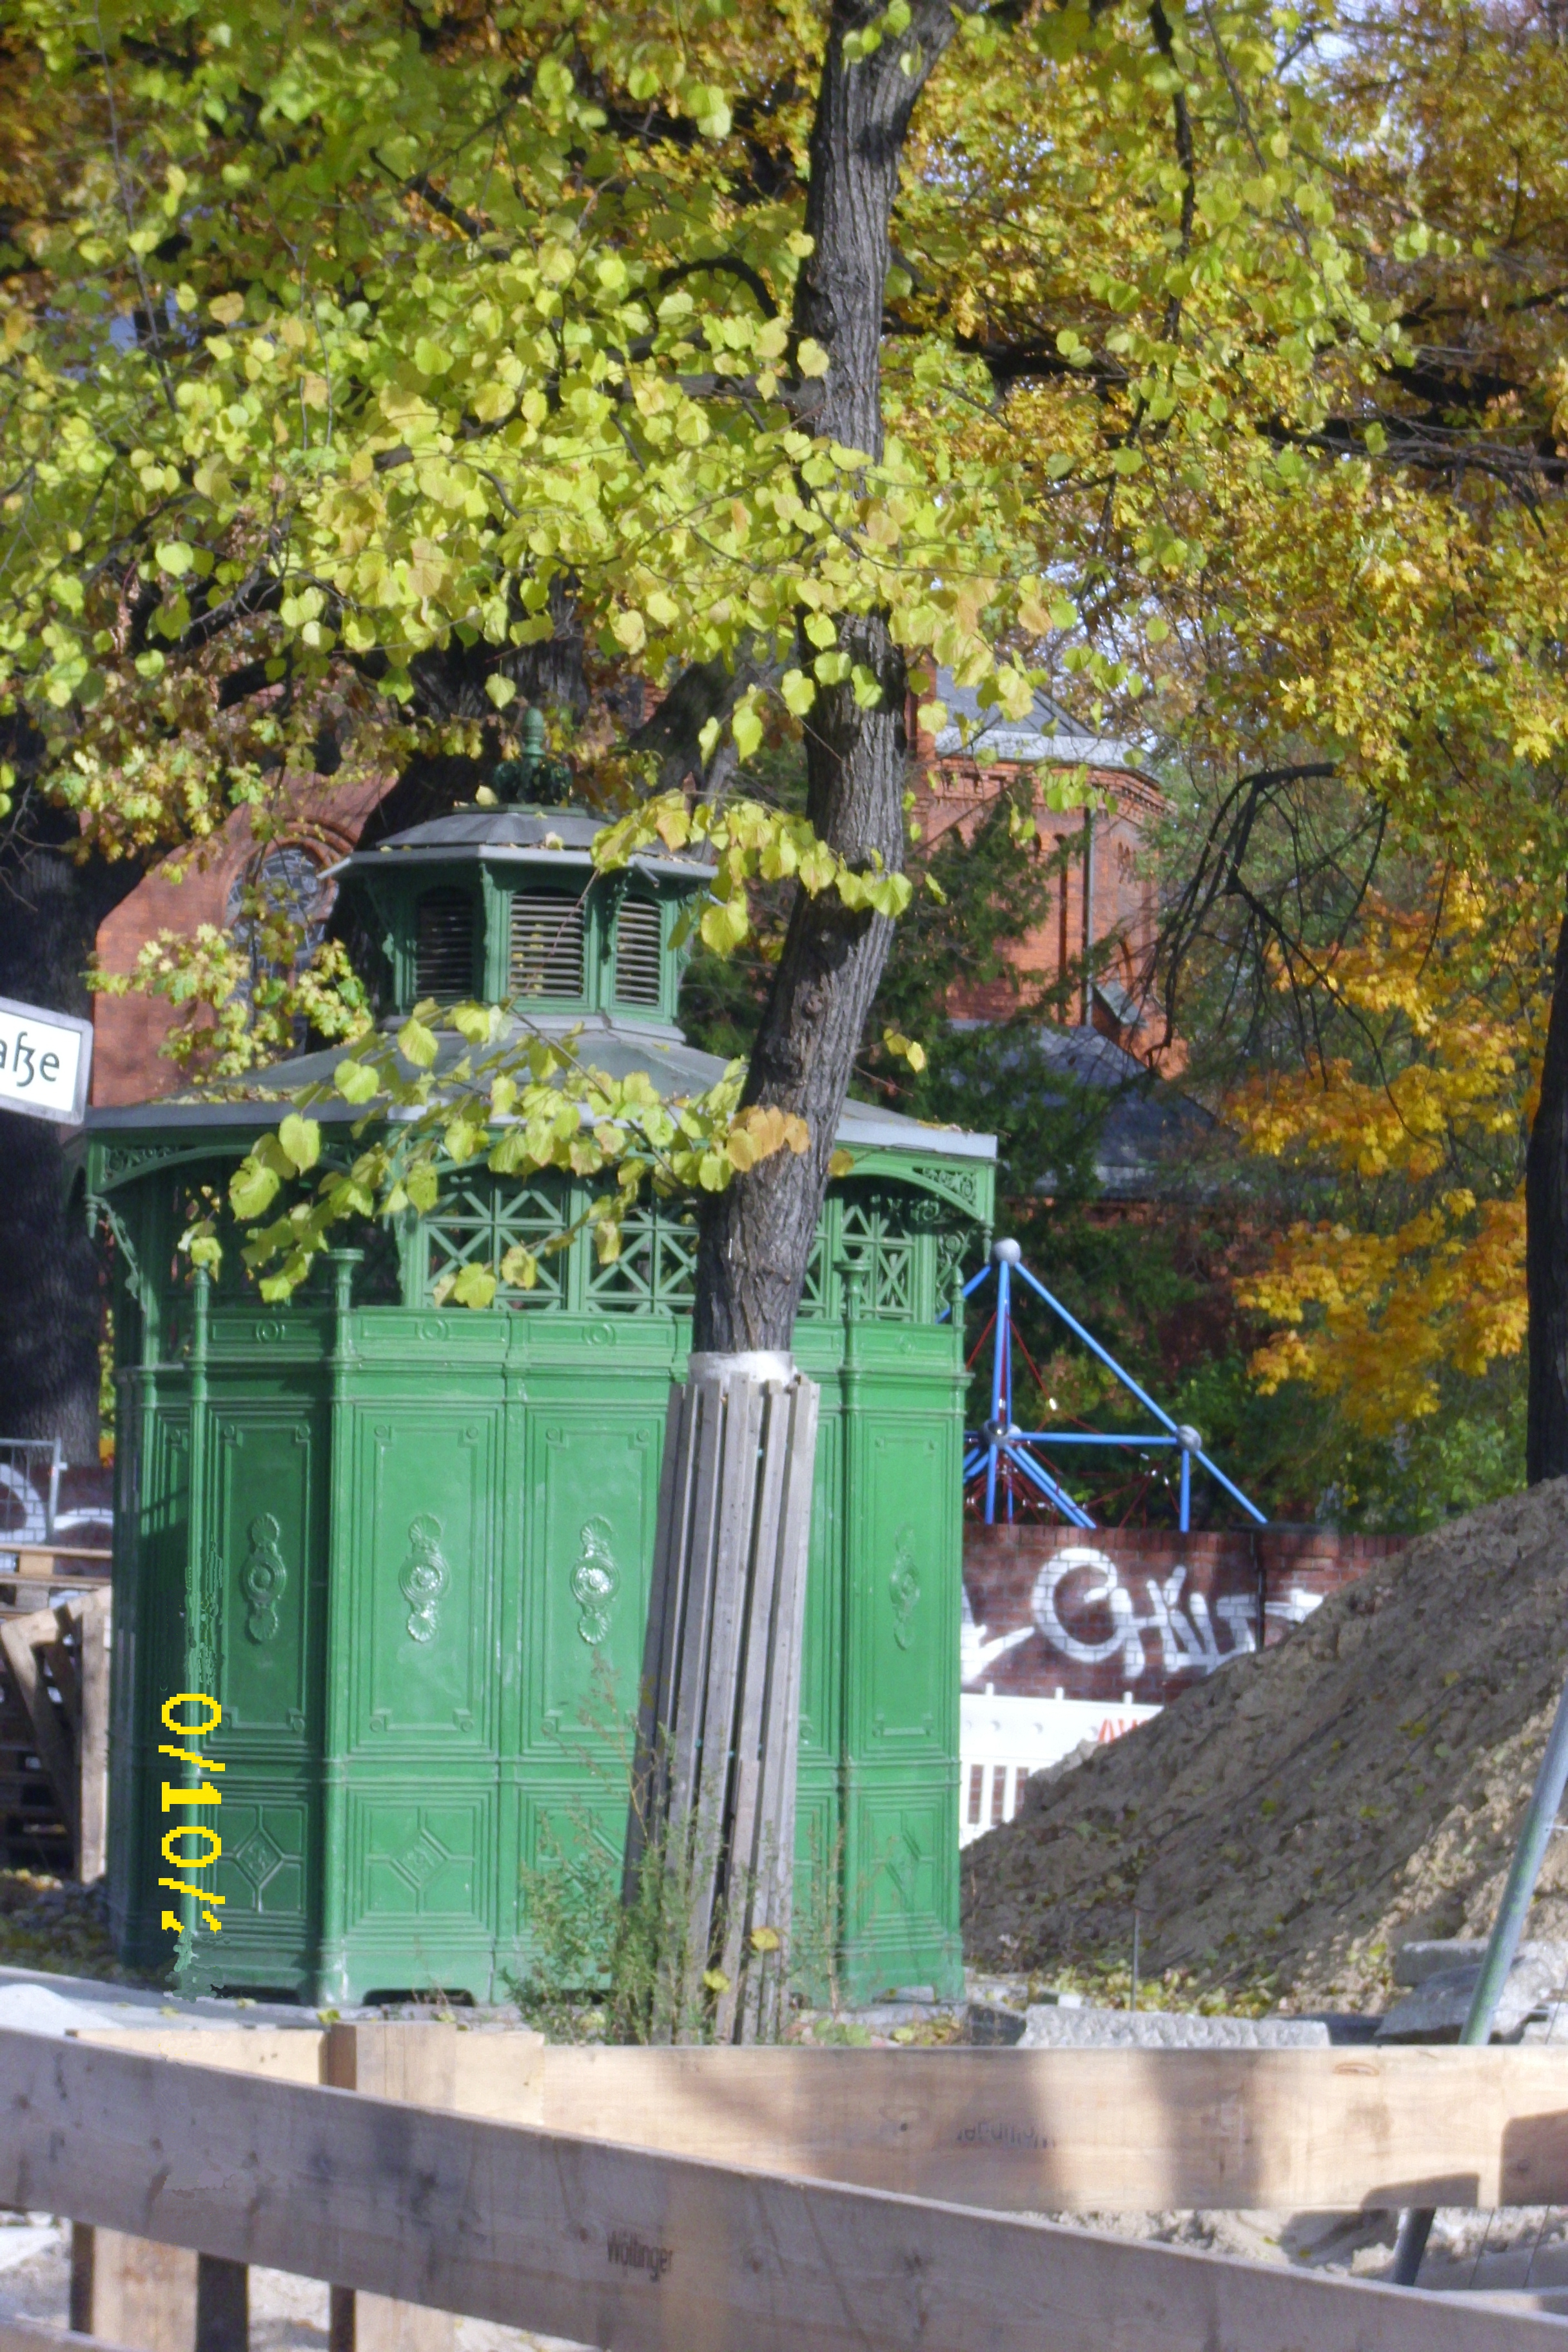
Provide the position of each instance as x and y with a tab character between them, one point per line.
1001	1447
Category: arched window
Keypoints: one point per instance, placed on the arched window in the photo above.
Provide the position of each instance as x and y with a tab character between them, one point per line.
443	946
278	913
637	951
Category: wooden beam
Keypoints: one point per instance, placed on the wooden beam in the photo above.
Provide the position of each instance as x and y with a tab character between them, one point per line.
416	2064
1026	2130
29	1557
39	2336
133	2292
641	2252
18	1636
92	1747
1095	2130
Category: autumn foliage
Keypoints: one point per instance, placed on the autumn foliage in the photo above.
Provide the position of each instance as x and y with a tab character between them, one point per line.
1421	1267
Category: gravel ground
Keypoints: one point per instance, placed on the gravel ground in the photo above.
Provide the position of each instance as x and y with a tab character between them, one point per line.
1282	1827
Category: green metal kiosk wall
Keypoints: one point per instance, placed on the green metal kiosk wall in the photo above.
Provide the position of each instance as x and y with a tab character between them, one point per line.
406	1546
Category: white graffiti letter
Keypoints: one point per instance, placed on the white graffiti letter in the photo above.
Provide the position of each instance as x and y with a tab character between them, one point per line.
1127	1627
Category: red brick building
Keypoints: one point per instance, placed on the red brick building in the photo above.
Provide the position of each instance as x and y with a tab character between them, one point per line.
1107	896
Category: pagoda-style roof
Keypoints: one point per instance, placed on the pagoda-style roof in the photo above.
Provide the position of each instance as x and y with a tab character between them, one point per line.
619	1038
601	1043
564	835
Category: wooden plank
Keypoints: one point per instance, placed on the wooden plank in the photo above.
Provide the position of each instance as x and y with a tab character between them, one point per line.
767	1990
414	2063
715	1699
634	2252
1024	2130
17	1635
39	2336
92	1753
664	1604
30	1558
133	2291
749	1795
496	2073
283	2053
1107	2130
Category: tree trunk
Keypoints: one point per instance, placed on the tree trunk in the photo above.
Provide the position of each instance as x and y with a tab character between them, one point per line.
1546	1245
51	1290
756	1237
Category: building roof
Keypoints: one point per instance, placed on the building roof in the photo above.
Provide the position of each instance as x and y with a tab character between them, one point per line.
500	834
1049	734
1146	1127
619	1048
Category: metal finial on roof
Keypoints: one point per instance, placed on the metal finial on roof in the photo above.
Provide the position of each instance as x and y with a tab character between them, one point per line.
534	780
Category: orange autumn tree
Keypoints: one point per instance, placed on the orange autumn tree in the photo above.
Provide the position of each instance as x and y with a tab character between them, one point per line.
1415	1136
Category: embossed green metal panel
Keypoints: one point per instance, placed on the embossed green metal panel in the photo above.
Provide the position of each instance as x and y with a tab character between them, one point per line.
425	1580
151	1533
420	1599
260	1652
592	1495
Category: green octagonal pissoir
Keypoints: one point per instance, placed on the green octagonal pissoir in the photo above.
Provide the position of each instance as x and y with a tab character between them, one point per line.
406	1545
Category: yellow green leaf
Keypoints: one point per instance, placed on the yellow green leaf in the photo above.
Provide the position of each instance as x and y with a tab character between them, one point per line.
301	1139
416	1043
475	1285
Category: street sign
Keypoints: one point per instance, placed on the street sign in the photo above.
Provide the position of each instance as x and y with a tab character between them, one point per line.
46	1060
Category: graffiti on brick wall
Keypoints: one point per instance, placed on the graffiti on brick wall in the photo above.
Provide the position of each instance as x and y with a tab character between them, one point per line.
1079	1589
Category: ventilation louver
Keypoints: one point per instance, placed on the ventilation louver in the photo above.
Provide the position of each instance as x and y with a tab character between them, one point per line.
444	952
636	952
546	944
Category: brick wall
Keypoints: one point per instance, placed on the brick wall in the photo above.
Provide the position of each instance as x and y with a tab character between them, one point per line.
954	793
1143	1611
180	895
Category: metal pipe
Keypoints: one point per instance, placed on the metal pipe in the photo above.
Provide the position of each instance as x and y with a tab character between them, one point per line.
972	1285
1092	1344
1184	1520
1074	1512
1233	1491
1545	1801
1007	1258
1000	1355
1090	1437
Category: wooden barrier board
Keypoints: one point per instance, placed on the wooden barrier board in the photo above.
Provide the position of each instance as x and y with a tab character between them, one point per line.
634	2251
37	2336
1028	2130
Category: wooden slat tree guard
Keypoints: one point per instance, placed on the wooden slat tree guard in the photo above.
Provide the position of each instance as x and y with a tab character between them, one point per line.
633	2251
713	1804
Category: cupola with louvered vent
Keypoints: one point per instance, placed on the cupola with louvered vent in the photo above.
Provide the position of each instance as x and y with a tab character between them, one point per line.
506	906
444	945
639	970
547	942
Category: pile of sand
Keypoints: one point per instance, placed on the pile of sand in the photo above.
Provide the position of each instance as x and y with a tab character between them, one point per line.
1284	1826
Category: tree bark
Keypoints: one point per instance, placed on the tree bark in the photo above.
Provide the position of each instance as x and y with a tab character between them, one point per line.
756	1236
1546	1245
51	1288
